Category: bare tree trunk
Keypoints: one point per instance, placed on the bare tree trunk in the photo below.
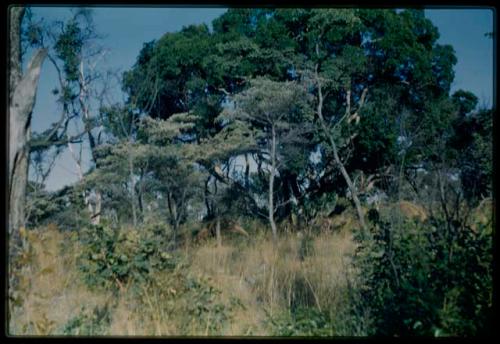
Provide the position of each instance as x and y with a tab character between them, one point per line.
247	172
22	96
132	190
96	218
271	186
217	230
83	99
172	207
207	198
343	171
78	163
140	195
350	185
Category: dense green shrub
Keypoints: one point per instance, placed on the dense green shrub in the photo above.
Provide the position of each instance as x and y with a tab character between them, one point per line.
305	321
89	323
114	257
430	278
204	306
306	247
62	208
140	262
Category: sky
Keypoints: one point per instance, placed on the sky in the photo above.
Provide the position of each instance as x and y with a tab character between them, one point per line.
126	29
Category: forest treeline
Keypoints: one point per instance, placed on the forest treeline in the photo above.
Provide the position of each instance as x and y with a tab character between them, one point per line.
283	120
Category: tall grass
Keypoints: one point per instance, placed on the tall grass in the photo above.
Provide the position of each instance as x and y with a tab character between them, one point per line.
245	287
254	280
50	288
271	281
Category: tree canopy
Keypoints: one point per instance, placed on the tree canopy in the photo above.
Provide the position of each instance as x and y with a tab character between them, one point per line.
291	120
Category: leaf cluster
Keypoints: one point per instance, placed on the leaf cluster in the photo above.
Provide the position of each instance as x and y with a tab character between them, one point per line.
420	279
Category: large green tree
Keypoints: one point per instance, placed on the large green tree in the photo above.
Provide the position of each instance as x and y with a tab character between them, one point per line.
386	61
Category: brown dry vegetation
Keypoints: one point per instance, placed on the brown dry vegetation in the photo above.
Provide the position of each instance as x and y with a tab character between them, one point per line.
261	278
266	281
50	286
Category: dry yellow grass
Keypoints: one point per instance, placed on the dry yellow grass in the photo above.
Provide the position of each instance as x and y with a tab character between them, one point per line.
264	279
412	210
53	292
482	215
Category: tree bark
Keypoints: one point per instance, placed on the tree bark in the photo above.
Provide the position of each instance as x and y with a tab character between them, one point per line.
78	163
140	195
207	198
22	95
15	70
247	172
172	207
271	186
132	190
83	100
217	230
343	171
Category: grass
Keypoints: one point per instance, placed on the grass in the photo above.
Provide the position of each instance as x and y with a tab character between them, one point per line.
248	272
51	288
245	283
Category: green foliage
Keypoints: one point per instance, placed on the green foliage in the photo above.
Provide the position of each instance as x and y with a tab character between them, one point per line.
426	279
472	147
68	48
201	100
63	208
268	102
302	322
114	258
75	33
321	206
204	307
192	301
306	246
169	75
466	101
376	142
393	54
40	205
89	323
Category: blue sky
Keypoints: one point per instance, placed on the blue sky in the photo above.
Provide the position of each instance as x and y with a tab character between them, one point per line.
464	30
127	28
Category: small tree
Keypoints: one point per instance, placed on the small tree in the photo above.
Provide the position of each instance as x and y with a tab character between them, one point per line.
280	112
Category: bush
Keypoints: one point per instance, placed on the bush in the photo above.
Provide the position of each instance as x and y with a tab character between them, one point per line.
114	257
89	323
140	264
177	303
302	322
205	308
426	278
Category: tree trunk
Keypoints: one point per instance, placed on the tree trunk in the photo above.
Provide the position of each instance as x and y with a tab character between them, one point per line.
172	208
207	198
140	195
271	186
83	99
86	195
247	172
132	190
96	218
350	185
343	171
22	96
217	230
